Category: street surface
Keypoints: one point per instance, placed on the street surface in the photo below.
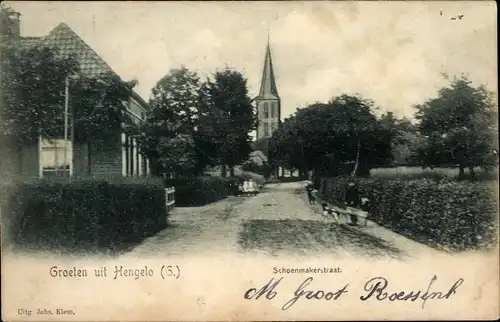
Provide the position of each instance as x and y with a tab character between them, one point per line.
278	221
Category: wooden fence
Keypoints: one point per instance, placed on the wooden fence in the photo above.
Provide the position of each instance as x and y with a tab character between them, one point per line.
170	197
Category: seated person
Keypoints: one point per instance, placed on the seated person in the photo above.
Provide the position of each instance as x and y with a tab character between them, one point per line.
353	199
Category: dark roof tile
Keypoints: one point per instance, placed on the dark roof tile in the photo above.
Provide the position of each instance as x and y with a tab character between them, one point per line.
66	42
29	41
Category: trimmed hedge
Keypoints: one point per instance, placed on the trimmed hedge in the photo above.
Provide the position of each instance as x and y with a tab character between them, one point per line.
446	214
413	173
286	179
83	213
199	191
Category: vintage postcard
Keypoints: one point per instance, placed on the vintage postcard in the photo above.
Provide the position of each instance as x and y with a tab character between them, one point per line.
249	161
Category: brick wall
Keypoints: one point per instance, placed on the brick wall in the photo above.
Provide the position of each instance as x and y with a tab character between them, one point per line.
9	159
105	157
30	161
19	161
81	160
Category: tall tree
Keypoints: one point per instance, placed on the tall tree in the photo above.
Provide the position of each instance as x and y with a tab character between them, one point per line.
207	137
232	117
404	137
459	127
172	121
340	137
175	98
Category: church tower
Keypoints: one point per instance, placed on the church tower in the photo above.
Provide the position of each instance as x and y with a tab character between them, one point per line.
268	102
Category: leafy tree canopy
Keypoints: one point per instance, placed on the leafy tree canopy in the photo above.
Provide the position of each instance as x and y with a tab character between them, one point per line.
176	98
327	136
169	133
34	93
205	123
459	127
236	117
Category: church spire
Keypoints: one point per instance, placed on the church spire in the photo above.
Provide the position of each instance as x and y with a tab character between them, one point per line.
268	87
268	102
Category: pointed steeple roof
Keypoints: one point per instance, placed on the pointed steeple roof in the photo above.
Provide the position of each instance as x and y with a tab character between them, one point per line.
268	89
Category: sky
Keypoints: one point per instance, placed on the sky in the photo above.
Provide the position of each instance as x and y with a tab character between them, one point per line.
393	53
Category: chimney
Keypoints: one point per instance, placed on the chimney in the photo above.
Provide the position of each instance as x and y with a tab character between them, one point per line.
10	23
15	28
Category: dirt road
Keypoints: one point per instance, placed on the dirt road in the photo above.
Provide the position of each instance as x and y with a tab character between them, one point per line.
278	221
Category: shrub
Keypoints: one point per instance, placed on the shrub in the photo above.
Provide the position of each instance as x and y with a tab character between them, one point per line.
442	213
292	179
199	191
83	212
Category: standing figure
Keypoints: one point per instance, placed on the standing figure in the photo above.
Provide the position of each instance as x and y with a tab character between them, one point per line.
310	196
352	199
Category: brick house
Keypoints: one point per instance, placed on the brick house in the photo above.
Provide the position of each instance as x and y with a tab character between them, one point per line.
110	157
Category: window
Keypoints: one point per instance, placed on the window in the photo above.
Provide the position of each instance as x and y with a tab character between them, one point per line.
133	162
52	159
266	110
266	130
273	109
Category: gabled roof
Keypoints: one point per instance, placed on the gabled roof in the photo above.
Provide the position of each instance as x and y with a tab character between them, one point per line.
268	89
66	42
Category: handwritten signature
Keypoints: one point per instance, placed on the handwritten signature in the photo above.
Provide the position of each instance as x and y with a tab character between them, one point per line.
375	288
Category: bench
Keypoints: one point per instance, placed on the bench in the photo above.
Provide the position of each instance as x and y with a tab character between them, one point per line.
248	188
242	192
335	211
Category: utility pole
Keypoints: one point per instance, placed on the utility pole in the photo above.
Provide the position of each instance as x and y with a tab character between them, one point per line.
66	121
72	141
66	107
